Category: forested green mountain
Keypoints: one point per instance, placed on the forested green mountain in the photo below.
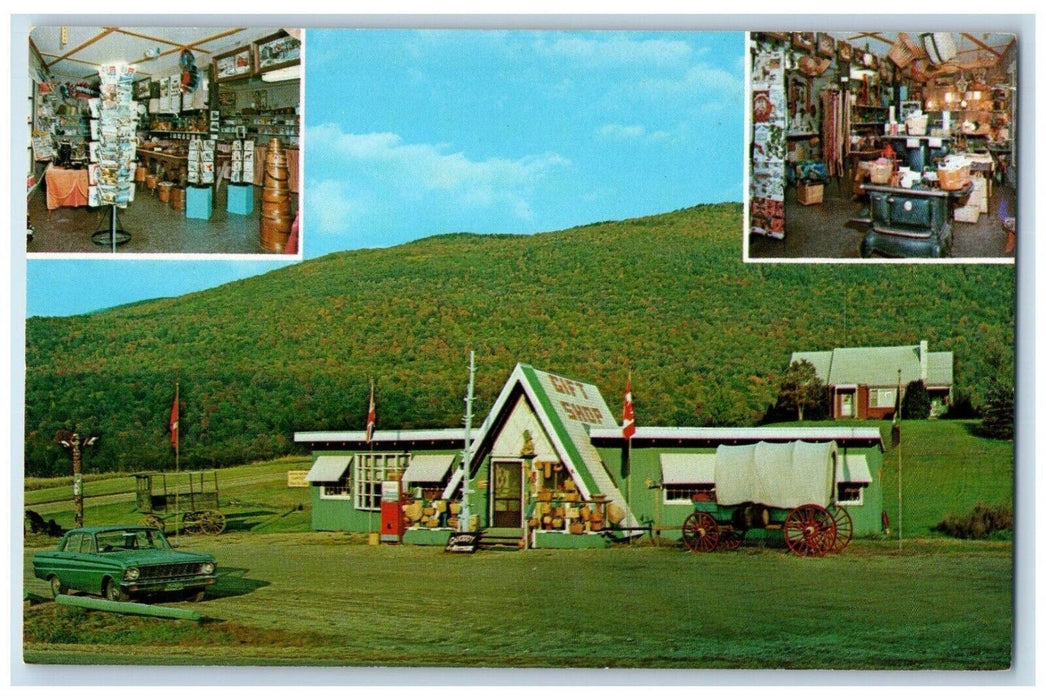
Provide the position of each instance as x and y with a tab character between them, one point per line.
706	337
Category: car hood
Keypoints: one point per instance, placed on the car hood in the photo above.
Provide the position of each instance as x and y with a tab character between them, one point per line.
160	556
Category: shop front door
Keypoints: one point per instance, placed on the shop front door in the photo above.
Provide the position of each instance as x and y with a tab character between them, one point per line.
507	499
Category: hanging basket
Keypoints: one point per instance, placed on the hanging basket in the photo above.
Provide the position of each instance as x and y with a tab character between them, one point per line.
904	50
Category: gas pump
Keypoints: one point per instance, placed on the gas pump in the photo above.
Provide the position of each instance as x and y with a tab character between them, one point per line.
392	512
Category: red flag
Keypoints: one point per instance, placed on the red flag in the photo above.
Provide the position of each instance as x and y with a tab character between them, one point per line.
370	415
174	421
628	422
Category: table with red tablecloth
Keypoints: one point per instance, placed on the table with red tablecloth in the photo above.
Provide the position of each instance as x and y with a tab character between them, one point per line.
66	187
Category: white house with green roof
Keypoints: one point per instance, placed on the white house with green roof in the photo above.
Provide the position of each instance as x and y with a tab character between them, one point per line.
549	468
863	382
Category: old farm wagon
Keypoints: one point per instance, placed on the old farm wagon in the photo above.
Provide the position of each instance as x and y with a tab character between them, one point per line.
788	487
188	500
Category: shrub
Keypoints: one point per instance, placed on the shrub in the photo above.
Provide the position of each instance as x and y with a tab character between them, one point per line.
916	402
982	523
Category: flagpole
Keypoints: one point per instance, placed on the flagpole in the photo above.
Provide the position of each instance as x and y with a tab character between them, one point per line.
370	448
900	500
177	459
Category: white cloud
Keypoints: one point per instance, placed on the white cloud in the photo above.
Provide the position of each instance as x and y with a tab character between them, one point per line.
329	207
699	81
634	132
615	49
622	132
409	169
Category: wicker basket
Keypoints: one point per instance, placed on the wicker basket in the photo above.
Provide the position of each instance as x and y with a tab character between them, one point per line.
954	179
880	173
904	50
917	124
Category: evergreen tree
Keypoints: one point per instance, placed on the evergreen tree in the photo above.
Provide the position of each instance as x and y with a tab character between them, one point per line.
916	401
998	411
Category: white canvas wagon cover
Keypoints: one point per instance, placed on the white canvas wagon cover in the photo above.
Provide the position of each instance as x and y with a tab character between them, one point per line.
779	475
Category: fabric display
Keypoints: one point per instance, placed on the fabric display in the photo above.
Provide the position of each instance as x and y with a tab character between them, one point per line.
112	148
769	142
835	125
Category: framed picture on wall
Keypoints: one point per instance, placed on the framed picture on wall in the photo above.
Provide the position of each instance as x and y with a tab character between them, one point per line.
232	65
276	51
806	41
825	45
844	51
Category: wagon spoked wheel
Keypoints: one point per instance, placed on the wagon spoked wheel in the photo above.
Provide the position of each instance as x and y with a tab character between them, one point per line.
844	528
700	532
810	531
730	540
153	521
212	522
191	523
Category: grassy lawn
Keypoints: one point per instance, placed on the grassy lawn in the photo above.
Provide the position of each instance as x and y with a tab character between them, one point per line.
320	598
287	595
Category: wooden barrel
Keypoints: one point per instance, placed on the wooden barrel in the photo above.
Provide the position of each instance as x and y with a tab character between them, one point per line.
276	216
164	190
178	198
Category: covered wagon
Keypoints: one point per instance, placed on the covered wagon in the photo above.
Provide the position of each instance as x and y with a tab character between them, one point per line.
776	486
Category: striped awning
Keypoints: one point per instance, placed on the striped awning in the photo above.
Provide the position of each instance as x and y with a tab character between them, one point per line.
428	468
853	469
328	468
692	468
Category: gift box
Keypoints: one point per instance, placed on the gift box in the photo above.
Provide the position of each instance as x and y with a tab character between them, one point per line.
198	202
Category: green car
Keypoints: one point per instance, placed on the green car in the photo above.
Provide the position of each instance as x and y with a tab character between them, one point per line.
121	563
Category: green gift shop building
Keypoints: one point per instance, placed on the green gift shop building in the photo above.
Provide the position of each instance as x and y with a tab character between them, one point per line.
549	467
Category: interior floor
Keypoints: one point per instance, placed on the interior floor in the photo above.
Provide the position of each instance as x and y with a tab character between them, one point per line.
825	231
154	226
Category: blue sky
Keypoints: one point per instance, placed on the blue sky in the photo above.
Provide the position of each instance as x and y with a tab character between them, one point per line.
412	133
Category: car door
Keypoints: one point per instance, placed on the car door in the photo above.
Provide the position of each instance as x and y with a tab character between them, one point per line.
60	561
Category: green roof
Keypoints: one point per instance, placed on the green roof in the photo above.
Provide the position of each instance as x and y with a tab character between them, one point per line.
877	366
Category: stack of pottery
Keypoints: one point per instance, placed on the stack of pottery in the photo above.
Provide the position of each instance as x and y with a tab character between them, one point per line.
276	216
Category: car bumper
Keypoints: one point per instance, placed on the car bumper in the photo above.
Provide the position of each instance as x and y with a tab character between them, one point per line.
167	586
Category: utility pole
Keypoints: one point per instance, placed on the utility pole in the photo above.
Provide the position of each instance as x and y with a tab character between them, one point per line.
73	443
466	461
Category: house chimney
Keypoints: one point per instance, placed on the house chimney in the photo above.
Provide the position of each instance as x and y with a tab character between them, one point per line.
923	360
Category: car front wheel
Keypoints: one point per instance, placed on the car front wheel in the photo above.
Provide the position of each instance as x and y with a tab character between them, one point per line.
57	587
112	591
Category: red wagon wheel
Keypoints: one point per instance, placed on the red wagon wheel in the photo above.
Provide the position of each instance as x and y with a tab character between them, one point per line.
700	532
731	539
844	528
810	531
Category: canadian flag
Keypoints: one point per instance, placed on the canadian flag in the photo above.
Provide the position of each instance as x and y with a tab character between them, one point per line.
628	421
174	421
370	415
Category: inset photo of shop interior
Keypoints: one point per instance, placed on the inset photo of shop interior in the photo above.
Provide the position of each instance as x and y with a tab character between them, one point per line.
167	140
882	145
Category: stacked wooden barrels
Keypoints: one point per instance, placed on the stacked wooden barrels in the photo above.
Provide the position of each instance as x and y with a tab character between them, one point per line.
276	216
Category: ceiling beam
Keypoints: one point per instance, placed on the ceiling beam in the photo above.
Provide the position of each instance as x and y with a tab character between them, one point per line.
101	35
984	46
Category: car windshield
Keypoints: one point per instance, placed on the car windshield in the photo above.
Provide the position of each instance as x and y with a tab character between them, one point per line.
120	540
